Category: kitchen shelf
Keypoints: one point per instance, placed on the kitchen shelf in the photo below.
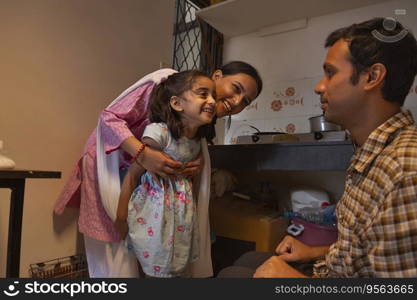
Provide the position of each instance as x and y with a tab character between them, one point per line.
297	156
237	17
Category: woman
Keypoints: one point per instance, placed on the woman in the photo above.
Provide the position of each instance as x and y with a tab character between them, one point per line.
94	185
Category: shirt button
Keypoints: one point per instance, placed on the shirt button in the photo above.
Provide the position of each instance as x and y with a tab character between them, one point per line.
348	260
349	180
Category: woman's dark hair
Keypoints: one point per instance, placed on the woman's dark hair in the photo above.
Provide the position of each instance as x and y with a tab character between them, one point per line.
236	67
160	108
376	41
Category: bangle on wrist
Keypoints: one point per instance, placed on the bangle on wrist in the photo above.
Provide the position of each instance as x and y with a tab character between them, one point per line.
140	150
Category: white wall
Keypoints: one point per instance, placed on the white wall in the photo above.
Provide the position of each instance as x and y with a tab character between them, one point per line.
61	63
294	59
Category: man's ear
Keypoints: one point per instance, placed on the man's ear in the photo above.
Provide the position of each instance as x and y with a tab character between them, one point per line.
376	76
217	75
175	103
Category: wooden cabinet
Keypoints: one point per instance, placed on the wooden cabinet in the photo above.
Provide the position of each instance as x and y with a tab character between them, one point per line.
237	17
239	219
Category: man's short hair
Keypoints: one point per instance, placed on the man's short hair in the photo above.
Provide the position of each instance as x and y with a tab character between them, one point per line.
398	55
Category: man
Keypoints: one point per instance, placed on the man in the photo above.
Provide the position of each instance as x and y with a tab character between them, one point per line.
368	72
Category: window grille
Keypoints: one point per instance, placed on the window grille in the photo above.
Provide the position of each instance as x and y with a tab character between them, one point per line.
187	37
196	44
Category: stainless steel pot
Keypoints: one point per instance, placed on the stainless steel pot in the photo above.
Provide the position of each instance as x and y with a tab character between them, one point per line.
319	124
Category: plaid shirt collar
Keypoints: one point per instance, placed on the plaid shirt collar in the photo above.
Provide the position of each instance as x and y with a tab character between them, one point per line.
378	140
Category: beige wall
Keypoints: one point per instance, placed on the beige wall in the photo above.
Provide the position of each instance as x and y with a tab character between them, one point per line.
61	63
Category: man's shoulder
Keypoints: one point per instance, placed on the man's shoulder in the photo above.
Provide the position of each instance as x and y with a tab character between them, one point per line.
400	156
404	145
407	137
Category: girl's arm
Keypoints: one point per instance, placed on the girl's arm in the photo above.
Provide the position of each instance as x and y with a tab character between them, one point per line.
129	184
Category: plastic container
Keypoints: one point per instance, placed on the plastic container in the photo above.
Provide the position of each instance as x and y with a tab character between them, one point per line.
301	198
317	215
316	235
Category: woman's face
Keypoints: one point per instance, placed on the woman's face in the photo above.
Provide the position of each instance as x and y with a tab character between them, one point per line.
233	92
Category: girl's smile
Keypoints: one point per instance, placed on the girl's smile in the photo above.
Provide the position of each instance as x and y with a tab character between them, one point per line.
196	106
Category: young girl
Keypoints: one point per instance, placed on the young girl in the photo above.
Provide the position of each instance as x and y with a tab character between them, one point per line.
161	214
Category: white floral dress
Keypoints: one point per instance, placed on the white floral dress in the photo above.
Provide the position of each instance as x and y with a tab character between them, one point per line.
163	227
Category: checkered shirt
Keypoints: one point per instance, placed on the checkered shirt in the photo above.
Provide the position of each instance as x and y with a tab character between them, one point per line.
377	215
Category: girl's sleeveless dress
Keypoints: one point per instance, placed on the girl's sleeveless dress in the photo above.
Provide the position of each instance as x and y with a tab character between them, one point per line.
163	227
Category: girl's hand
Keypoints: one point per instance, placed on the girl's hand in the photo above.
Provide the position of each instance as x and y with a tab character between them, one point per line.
121	227
194	167
159	163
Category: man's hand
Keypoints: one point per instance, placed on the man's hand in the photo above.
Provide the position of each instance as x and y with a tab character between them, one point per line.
291	249
276	267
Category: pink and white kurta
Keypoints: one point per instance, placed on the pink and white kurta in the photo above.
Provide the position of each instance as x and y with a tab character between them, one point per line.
126	117
120	121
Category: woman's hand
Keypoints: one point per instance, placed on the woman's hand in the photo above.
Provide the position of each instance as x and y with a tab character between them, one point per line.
154	161
194	167
121	227
159	163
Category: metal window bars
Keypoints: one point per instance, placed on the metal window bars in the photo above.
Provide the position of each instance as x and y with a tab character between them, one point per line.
197	45
187	37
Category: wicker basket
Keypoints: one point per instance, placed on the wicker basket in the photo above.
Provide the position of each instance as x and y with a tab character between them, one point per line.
74	266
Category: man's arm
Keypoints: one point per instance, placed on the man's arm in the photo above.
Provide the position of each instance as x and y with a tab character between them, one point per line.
392	249
276	267
291	249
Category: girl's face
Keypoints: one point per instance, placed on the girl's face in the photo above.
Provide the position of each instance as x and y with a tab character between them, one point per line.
233	92
198	104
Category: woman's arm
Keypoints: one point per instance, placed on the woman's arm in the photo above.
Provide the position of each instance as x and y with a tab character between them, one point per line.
116	122
151	159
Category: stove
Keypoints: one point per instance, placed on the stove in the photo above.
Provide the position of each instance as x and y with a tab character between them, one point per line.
278	137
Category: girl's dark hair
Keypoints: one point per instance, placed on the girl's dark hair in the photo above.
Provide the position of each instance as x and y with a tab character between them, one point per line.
369	43
236	67
160	108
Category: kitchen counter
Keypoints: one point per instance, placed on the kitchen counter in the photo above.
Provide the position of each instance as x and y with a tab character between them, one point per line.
313	156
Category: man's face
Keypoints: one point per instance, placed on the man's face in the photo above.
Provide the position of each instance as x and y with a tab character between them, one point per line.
341	101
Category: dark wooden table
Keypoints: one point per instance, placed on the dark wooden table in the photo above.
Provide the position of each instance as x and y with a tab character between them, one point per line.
15	180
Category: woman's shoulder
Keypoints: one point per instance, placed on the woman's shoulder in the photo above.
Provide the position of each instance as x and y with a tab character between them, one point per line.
158	75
